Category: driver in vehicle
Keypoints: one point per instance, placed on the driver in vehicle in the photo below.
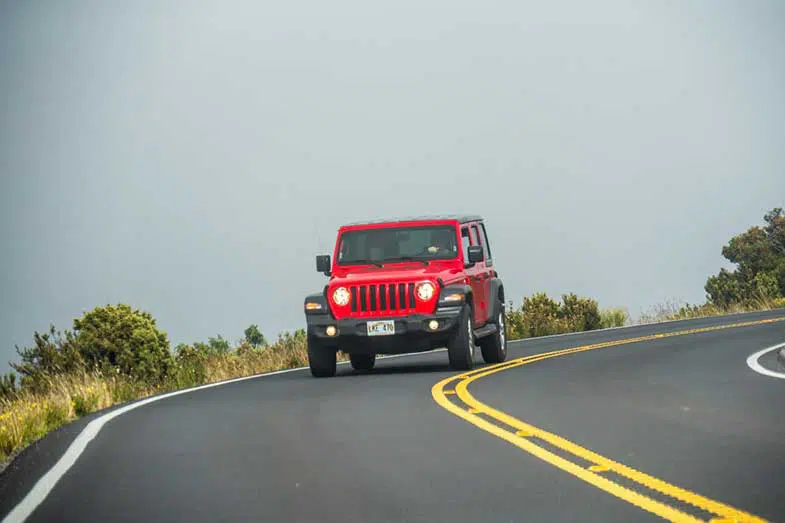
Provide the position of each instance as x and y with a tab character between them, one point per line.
442	243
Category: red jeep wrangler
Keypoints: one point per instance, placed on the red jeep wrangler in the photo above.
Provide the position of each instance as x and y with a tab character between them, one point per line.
407	285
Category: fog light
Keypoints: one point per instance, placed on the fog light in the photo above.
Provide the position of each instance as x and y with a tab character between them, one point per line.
433	325
331	330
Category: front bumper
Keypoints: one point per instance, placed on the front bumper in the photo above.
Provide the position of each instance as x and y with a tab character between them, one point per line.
412	333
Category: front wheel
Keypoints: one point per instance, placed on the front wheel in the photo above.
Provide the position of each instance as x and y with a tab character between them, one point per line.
362	361
494	347
460	349
321	359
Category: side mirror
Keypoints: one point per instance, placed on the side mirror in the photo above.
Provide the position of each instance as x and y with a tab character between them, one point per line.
323	264
475	254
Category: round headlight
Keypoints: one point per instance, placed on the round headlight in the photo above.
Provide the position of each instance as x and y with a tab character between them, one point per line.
341	296
425	291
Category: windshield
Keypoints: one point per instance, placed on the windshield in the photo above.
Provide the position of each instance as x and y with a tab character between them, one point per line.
436	242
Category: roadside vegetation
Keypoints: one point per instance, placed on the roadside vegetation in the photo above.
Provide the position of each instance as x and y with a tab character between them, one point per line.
540	315
757	282
114	353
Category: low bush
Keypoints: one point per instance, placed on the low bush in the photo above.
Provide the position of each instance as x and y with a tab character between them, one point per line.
52	353
8	386
124	339
540	315
613	317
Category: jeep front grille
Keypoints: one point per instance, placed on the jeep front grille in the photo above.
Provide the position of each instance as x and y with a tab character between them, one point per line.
383	298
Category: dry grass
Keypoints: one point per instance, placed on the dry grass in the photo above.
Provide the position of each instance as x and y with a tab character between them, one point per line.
673	310
28	417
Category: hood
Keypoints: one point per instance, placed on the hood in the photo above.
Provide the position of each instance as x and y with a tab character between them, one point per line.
399	272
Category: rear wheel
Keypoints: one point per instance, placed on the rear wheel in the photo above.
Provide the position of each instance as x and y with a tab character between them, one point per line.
362	361
494	347
321	359
460	349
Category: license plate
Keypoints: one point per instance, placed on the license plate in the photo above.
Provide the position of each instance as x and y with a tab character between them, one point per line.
381	328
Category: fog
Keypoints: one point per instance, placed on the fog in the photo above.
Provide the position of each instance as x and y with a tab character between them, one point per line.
191	158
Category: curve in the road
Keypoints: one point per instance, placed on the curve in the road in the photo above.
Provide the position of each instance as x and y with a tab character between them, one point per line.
754	363
47	482
44	486
190	457
581	462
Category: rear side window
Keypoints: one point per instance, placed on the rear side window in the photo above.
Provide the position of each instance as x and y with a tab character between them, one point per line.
475	240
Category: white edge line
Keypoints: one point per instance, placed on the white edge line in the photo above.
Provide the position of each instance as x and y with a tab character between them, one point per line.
752	362
46	483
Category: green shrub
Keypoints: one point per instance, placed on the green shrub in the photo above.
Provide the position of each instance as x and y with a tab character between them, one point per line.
613	317
190	365
218	345
582	314
254	337
52	353
214	346
8	388
541	315
118	337
766	286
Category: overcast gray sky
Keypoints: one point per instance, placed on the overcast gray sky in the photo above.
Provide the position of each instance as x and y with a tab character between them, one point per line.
191	158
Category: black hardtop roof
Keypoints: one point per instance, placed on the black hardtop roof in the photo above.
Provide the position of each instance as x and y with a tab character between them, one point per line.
461	218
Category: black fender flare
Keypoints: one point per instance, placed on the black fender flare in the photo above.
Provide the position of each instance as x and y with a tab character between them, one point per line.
321	299
495	299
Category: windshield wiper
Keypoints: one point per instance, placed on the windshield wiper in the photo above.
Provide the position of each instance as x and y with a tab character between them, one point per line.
362	262
407	258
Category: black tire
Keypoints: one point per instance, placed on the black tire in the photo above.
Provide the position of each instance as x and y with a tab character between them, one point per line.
362	361
460	349
321	359
494	347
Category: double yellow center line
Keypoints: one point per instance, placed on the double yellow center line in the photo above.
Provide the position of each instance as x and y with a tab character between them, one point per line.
581	462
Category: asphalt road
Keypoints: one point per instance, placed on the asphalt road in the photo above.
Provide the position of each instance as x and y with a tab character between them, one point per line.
379	446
